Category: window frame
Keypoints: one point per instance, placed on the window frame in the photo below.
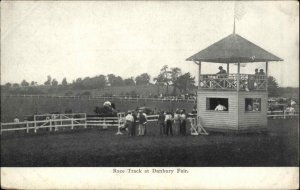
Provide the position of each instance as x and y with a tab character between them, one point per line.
208	105
253	101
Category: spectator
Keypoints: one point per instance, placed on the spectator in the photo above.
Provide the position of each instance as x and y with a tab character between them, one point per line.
168	121
290	111
220	107
161	123
129	122
222	71
194	111
256	73
261	72
249	107
16	119
133	132
142	122
293	103
183	122
176	125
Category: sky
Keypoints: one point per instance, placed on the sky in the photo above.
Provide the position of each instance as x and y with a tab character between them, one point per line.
83	39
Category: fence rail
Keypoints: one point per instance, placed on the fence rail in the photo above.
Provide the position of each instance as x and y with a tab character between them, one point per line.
53	122
56	121
106	98
281	114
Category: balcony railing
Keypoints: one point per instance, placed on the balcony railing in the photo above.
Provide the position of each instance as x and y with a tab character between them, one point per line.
238	82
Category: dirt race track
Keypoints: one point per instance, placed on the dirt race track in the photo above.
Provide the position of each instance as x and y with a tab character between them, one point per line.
98	147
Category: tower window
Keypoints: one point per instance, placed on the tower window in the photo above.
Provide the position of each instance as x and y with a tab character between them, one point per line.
217	104
252	104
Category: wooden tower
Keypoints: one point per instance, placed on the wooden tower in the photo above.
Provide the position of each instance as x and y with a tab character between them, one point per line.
244	95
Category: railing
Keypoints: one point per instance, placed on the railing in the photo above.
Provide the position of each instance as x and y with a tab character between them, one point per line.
282	114
112	121
122	98
56	121
241	82
52	121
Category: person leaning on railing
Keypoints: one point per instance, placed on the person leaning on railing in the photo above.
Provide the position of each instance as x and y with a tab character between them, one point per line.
222	74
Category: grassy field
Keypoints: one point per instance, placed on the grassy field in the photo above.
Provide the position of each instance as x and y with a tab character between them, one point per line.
22	106
98	147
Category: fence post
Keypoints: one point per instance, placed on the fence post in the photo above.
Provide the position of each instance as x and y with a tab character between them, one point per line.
104	125
35	127
72	124
50	125
284	115
85	121
27	127
55	127
61	121
1	129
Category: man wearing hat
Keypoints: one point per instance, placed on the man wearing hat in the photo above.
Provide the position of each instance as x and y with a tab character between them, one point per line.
222	71
222	74
129	122
142	122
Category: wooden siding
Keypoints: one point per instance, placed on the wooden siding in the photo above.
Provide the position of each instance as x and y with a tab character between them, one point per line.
236	118
218	119
248	120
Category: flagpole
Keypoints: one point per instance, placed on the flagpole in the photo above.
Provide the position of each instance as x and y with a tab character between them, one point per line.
234	14
233	24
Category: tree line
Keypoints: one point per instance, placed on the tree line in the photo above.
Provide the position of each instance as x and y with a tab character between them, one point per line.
181	82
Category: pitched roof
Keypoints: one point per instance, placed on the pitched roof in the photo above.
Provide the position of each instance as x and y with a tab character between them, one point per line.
233	49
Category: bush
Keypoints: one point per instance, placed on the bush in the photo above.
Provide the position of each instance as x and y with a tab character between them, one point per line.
86	93
69	93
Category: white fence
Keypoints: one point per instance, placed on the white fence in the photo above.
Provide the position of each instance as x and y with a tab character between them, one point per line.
282	114
113	121
130	99
50	121
56	121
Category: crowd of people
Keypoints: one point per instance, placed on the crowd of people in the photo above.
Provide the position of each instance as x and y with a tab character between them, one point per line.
132	119
169	123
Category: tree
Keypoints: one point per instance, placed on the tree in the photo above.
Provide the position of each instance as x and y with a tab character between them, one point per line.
48	81
142	79
94	82
54	82
33	83
185	82
8	85
115	80
64	82
129	81
164	77
16	85
77	84
175	73
273	87
24	83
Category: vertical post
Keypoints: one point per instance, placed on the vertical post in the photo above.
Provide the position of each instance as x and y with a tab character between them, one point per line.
227	68
55	122
72	123
238	78
35	127
60	117
27	127
199	74
50	121
84	115
1	129
266	76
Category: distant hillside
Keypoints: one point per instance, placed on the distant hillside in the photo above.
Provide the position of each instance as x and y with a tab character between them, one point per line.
289	92
141	90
